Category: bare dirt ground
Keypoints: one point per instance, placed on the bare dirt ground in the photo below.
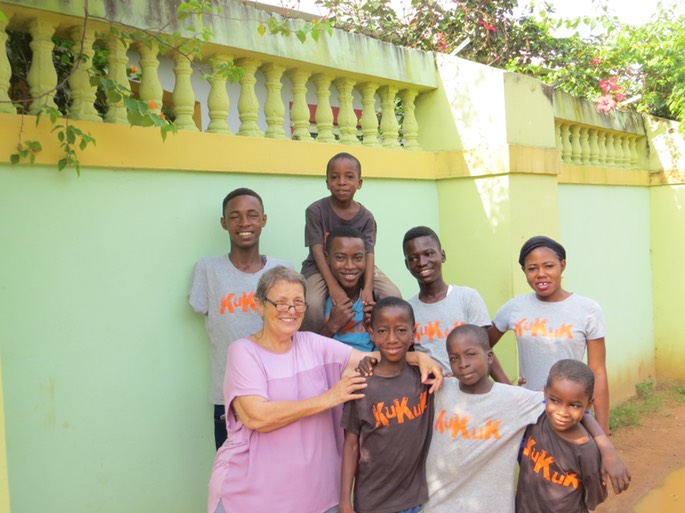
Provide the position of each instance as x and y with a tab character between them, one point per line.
651	450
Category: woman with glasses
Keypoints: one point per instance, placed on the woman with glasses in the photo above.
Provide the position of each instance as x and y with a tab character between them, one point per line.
283	392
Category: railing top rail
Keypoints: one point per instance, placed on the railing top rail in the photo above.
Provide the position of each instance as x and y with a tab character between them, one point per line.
236	27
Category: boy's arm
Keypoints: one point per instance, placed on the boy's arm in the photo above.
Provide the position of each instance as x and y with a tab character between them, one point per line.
497	371
596	360
612	465
335	291
367	289
350	460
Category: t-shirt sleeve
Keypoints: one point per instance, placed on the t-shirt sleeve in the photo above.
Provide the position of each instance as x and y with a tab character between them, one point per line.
530	405
350	417
590	463
477	311
198	292
369	231
503	316
245	375
314	230
595	327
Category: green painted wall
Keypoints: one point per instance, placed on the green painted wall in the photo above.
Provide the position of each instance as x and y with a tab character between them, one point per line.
668	247
104	364
606	233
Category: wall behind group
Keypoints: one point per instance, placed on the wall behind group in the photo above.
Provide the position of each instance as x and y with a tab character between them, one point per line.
104	364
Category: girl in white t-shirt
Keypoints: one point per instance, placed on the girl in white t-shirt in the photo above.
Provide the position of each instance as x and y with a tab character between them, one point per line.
551	323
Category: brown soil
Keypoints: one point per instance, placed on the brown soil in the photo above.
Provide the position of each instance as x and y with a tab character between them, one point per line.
651	450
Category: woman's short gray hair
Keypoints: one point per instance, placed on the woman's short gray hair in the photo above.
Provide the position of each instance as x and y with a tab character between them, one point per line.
276	275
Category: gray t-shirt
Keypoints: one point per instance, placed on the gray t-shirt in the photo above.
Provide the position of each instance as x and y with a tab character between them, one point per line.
320	220
225	296
471	463
547	332
434	321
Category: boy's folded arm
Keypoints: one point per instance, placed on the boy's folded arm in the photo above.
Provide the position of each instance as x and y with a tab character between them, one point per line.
367	289
612	464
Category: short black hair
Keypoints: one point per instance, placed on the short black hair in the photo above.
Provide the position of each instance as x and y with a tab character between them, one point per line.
575	371
540	241
340	156
478	332
242	191
420	231
391	301
343	231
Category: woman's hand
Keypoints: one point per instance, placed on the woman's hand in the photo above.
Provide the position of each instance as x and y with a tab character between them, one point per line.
347	389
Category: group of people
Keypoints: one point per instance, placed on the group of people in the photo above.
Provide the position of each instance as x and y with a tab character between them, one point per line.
288	350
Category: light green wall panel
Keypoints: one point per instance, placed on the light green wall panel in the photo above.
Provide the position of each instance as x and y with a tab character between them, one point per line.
668	248
104	364
606	233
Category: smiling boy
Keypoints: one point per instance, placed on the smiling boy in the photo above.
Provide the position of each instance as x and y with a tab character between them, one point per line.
346	258
222	289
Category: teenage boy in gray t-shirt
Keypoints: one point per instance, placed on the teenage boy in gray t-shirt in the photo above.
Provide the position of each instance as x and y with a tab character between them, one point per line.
222	289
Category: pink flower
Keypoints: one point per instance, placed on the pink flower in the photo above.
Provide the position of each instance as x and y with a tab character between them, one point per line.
441	42
596	61
620	97
606	103
487	26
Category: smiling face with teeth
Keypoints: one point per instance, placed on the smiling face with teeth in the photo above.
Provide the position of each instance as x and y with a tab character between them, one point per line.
347	260
424	257
543	269
243	219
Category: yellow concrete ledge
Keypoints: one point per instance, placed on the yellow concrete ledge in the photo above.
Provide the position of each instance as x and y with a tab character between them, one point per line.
590	175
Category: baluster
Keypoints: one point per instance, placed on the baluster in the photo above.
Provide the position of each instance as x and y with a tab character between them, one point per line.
611	150
150	91
117	59
620	155
324	113
273	107
575	144
566	143
389	126
410	127
42	76
602	145
584	146
634	156
248	104
299	112
82	92
594	147
369	119
218	101
183	95
5	70
557	135
347	119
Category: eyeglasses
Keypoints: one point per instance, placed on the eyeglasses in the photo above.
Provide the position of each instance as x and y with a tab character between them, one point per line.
284	307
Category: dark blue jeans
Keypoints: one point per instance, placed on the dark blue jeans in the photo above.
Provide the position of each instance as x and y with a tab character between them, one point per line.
220	434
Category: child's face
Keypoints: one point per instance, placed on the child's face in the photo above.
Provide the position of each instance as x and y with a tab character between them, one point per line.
470	362
543	271
347	261
424	258
243	220
565	403
392	332
343	179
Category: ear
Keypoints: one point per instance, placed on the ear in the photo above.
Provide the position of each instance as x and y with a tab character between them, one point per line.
444	255
222	221
359	184
263	220
590	403
260	306
563	265
491	357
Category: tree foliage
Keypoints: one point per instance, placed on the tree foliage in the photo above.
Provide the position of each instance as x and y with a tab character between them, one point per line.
633	67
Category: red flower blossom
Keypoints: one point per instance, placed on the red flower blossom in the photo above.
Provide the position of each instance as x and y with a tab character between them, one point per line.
620	97
151	105
596	61
487	26
441	42
606	103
